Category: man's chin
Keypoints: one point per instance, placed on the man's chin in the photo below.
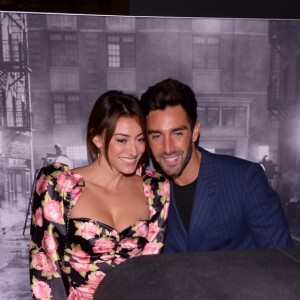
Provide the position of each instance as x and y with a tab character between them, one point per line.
171	173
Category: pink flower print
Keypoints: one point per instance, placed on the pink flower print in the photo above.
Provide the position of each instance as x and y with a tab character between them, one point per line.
87	230
79	267
96	277
148	191
80	256
41	185
103	245
83	292
76	294
38	260
153	231
119	260
150	172
165	189
76	193
152	211
80	260
52	211
38	217
114	233
64	181
41	290
135	252
165	210
128	243
49	243
43	263
73	295
78	178
49	268
150	248
141	228
106	257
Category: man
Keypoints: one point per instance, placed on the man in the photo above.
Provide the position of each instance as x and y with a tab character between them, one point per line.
217	201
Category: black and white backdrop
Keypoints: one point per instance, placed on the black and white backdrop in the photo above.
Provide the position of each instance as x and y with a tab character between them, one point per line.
245	74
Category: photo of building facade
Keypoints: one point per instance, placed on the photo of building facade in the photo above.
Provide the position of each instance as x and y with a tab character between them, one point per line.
75	58
245	74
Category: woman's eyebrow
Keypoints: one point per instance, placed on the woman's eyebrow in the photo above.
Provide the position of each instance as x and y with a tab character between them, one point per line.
125	135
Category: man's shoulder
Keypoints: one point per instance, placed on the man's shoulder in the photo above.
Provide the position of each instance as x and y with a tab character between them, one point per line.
225	160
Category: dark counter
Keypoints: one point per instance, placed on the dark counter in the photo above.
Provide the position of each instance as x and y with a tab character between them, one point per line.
244	274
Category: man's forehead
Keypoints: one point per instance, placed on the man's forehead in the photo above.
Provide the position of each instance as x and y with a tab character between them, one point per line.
169	112
167	120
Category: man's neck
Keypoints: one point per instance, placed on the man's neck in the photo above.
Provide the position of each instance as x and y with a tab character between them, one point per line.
191	171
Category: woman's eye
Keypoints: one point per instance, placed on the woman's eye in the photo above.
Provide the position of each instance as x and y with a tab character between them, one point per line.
141	140
121	141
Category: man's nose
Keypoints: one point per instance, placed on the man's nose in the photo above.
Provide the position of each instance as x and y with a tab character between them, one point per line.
168	145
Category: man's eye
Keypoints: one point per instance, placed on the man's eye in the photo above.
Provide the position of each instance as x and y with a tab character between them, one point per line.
155	136
178	133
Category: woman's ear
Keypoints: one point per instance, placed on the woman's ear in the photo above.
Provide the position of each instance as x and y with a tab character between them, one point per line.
98	141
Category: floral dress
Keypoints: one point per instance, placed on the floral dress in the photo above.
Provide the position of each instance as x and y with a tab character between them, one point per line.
70	256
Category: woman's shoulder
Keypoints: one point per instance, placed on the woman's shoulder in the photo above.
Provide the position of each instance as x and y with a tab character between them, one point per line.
54	169
81	171
52	179
59	174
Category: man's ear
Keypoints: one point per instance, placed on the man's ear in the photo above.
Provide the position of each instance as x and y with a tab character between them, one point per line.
98	141
196	131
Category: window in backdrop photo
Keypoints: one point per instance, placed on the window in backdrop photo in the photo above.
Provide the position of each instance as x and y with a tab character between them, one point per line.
245	74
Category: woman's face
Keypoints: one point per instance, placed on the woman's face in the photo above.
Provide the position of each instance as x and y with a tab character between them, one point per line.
126	146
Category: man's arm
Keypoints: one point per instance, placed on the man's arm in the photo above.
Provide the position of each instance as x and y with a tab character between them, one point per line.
264	213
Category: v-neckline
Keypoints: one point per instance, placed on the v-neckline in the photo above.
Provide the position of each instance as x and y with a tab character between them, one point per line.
75	177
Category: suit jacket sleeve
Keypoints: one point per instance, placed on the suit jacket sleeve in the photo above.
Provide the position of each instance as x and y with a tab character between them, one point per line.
263	210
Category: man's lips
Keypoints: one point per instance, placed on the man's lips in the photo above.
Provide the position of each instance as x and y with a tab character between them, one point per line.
170	159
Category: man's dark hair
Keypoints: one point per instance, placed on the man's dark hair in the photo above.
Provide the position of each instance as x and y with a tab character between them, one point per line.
170	92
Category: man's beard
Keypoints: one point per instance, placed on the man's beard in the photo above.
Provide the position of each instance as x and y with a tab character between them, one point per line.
178	171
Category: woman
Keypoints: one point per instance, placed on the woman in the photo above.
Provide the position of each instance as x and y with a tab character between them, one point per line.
88	220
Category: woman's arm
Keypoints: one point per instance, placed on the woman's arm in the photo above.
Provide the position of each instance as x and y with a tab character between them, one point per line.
48	229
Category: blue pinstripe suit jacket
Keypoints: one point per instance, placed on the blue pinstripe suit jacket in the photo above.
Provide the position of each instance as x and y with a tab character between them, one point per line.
234	208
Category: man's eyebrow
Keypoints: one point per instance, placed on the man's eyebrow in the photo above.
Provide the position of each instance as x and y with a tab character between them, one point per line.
152	131
183	127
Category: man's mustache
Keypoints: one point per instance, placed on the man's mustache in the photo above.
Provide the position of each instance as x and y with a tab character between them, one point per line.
169	154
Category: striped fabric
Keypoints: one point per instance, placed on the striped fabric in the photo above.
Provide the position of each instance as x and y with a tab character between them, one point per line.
234	208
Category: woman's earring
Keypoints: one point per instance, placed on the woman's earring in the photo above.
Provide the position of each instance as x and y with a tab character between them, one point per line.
99	156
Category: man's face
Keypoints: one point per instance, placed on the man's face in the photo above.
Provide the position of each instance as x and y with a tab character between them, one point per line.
171	139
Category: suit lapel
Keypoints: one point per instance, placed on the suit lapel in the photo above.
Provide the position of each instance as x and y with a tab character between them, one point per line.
204	202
